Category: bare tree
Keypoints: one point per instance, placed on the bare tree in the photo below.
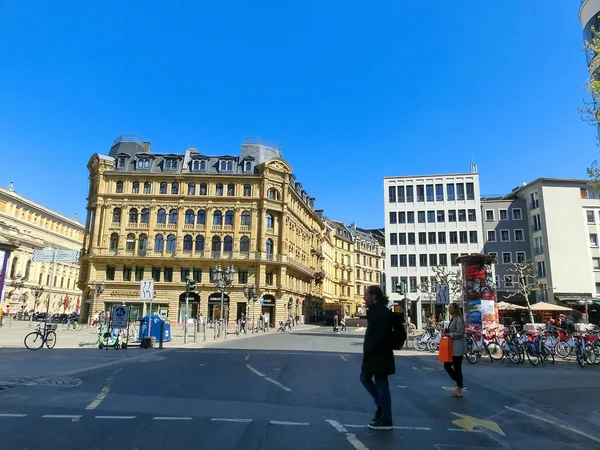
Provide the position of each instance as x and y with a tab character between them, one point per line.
444	276
526	282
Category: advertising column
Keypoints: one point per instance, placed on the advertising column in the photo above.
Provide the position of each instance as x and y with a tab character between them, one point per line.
479	291
4	254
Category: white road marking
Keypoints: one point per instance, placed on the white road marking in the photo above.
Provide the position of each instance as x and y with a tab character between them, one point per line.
556	423
60	416
202	365
115	417
278	384
343	357
347	425
465	431
104	392
171	418
353	426
218	419
255	371
351	438
13	415
283	422
247	357
451	388
402	387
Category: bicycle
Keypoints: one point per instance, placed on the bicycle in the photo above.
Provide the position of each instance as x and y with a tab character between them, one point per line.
72	323
36	339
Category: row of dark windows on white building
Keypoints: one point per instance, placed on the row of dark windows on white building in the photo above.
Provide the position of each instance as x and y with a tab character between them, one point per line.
174	188
431	192
190	217
434	238
439	216
169	244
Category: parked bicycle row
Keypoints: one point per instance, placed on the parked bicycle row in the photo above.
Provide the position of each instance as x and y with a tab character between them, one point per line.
537	345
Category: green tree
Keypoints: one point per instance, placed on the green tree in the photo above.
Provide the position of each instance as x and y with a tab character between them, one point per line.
589	111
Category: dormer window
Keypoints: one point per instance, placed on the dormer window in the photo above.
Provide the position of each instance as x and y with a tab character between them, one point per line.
223	165
144	163
171	164
227	166
247	166
199	165
121	162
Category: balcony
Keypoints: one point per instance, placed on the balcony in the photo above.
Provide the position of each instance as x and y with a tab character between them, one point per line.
114	225
217	227
171	226
189	226
228	227
244	228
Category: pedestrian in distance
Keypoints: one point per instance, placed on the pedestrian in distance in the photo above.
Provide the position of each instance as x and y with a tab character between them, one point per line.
243	323
456	330
378	357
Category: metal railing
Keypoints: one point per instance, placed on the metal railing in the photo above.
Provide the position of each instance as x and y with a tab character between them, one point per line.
257	140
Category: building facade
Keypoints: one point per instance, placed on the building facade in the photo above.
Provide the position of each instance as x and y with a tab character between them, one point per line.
172	216
342	269
430	221
29	226
506	236
369	261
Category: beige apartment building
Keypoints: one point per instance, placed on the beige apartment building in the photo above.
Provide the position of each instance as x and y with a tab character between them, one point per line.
369	258
27	226
170	216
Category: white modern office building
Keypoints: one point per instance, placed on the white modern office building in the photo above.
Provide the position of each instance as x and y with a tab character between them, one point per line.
430	220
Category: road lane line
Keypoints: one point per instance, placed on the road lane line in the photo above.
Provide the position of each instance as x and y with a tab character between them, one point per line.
104	392
218	419
13	415
171	418
338	426
343	357
115	417
278	384
247	357
402	387
255	371
465	431
554	422
61	416
355	442
347	425
283	422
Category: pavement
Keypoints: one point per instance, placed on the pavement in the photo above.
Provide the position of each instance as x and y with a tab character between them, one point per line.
296	390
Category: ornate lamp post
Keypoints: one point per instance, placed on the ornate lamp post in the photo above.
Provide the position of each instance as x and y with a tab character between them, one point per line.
250	294
222	279
97	289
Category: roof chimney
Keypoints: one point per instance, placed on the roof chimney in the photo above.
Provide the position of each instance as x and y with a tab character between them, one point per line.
146	146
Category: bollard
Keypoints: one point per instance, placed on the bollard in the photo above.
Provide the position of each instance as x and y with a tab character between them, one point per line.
162	328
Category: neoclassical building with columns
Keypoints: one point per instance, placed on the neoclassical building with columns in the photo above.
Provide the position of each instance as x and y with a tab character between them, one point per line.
171	216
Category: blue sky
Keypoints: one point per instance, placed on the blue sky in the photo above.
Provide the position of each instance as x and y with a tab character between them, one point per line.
351	90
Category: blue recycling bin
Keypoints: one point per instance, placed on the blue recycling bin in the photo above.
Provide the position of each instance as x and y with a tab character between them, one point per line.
155	328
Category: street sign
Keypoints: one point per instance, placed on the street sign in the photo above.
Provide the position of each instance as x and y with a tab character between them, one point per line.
442	294
147	290
60	256
120	317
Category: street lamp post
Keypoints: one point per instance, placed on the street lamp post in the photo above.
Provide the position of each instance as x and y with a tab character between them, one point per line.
222	279
250	294
400	288
586	302
37	292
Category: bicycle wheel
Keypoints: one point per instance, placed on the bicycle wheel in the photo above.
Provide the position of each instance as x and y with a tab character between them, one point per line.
495	352
470	354
514	353
590	354
77	326
432	346
562	349
33	341
548	355
417	344
50	339
66	326
534	359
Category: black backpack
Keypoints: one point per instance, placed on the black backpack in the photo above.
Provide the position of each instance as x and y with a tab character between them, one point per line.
398	330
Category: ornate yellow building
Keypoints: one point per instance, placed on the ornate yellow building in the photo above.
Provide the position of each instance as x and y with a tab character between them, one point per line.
369	260
27	226
173	216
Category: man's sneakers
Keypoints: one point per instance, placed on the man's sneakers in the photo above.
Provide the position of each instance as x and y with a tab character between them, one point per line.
380	424
378	414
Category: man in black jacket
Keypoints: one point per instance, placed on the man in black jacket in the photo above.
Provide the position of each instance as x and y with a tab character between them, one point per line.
378	357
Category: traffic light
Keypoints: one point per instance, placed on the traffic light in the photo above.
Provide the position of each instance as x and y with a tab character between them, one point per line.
399	288
190	285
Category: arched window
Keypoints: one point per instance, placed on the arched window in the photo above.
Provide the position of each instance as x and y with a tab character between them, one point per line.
135	187
114	242
27	270
248	167
163	188
246	218
203	189
269	247
216	244
229	218
201	217
223	165
231	189
202	165
228	244
159	243
130	243
173	216
269	221
218	218
147	187
196	165
190	216
175	188
171	243
119	187
200	243
161	216
247	190
142	243
272	194
245	244
13	267
187	243
192	189
229	165
133	215
219	189
117	215
145	216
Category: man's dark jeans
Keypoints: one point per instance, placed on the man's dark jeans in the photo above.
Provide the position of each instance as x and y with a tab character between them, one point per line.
380	391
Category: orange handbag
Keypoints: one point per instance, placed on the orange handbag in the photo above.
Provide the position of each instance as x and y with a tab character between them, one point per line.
445	354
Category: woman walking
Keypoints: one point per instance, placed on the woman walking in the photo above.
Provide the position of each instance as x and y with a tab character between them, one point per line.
456	330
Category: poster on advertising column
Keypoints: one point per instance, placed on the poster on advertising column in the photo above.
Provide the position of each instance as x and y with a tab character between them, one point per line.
479	290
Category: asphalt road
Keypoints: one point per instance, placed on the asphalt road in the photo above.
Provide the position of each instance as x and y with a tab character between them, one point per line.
278	390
